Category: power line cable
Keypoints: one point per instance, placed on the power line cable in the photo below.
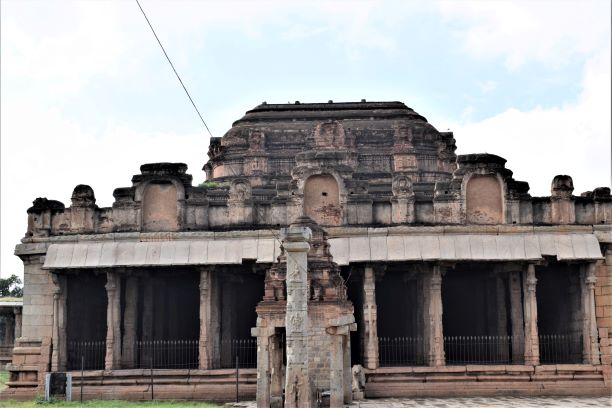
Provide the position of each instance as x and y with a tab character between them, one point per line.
174	69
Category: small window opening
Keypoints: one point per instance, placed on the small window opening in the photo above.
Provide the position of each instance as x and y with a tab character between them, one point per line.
324	194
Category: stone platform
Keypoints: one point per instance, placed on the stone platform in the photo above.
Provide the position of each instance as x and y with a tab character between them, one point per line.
475	402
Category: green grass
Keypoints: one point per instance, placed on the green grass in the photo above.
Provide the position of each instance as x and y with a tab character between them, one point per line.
3	379
105	404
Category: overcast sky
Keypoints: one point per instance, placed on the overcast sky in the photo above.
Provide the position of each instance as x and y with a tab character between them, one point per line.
87	95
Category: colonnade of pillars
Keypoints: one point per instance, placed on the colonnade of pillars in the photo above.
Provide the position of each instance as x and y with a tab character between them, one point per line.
523	316
120	351
121	338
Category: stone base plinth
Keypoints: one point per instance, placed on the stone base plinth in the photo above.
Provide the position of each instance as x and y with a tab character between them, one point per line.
484	380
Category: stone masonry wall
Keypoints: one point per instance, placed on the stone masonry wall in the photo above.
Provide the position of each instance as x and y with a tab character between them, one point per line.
37	300
603	312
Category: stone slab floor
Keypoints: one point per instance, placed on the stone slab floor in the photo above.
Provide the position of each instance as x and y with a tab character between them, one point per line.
475	402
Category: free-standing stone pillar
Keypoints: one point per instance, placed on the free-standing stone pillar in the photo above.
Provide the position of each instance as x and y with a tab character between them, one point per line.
263	368
113	321
370	331
589	329
530	309
348	375
298	390
336	373
59	353
433	319
276	367
206	346
516	317
130	323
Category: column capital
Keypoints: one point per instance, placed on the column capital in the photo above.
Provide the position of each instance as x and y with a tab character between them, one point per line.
111	281
296	234
531	279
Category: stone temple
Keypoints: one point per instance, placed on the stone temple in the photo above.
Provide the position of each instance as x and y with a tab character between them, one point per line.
336	251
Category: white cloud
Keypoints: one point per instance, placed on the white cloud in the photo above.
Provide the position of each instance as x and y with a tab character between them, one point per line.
487	86
549	32
52	50
51	166
573	139
78	49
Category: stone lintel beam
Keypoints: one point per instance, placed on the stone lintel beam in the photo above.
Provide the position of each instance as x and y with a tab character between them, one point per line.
262	331
341	330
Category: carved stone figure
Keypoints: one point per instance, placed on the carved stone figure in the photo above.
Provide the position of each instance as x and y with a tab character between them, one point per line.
329	135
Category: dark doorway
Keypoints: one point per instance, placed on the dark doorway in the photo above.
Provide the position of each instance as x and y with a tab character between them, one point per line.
168	328
86	326
476	321
241	290
399	306
558	294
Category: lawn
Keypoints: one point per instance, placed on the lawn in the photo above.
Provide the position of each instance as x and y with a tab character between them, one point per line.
104	404
97	403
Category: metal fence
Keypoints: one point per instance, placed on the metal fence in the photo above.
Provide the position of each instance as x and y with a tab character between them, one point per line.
90	353
167	354
400	351
164	354
244	349
478	349
560	348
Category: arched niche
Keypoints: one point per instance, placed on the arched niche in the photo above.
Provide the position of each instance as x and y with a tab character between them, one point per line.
322	199
484	200
159	207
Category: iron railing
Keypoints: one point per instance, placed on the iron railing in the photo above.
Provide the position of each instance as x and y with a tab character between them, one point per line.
167	354
90	353
478	349
245	349
560	348
400	351
164	354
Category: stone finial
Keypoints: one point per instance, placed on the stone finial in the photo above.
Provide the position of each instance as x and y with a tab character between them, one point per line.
597	193
83	196
42	204
562	187
163	168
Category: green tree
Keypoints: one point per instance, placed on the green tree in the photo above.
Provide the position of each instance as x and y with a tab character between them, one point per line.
11	286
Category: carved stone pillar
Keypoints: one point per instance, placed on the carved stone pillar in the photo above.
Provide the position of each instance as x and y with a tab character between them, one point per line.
59	353
17	312
113	321
276	370
214	338
206	306
130	323
370	331
530	309
348	376
589	331
336	373
298	390
263	335
433	320
516	317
